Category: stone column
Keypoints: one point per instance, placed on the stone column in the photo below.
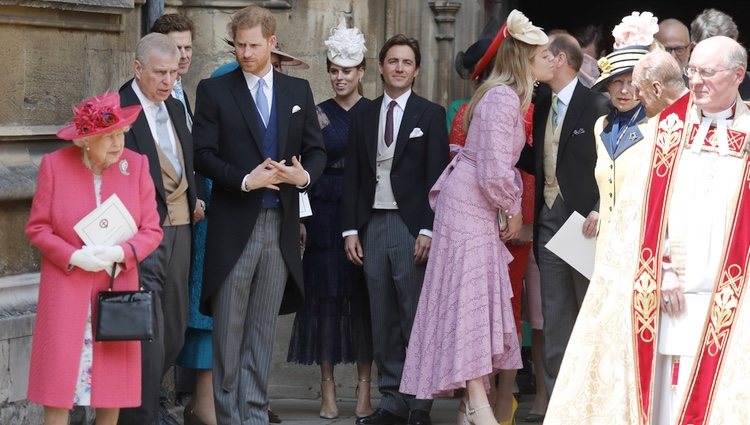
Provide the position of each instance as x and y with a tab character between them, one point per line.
445	18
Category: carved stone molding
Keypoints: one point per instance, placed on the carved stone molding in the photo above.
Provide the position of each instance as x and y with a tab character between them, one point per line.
445	18
229	4
107	17
17	292
102	6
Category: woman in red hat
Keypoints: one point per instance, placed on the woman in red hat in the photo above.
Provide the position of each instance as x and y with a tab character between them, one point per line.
67	367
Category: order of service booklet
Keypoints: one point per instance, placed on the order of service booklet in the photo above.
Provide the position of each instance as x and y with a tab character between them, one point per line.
108	224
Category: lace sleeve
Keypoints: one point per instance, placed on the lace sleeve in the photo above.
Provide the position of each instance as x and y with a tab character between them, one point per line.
498	141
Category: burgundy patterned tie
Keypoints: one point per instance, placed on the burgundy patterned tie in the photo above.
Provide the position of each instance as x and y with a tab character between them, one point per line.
389	123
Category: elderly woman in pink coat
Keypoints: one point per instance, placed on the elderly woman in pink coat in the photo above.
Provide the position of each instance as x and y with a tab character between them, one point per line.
67	367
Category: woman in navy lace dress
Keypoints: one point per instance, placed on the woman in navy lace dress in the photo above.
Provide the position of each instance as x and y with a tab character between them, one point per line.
334	326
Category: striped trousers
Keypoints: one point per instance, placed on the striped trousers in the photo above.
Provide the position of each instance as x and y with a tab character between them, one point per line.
394	283
246	308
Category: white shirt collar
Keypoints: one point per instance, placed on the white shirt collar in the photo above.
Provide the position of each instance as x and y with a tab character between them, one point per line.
722	120
567	92
401	100
725	114
252	79
145	102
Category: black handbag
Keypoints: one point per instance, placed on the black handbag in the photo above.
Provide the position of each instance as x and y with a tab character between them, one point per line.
125	315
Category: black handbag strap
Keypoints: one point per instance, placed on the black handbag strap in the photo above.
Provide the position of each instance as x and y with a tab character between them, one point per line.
114	268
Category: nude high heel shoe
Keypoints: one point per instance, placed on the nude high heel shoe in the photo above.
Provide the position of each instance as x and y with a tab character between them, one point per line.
481	415
367	411
328	414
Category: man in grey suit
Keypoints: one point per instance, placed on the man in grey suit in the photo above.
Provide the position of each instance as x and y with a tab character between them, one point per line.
398	146
257	137
565	155
161	133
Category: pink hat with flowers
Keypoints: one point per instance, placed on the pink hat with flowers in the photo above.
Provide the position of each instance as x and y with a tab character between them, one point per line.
99	115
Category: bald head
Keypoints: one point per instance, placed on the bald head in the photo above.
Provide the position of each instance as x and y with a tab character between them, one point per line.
716	69
658	79
675	38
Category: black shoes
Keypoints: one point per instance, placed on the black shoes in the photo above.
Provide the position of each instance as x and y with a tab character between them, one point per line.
382	417
419	417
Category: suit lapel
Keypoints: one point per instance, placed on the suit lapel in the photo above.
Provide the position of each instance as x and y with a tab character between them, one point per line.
245	102
283	110
177	115
605	135
573	113
372	129
414	109
541	112
143	139
189	108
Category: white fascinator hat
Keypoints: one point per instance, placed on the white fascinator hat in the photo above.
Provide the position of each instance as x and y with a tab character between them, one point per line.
517	26
346	46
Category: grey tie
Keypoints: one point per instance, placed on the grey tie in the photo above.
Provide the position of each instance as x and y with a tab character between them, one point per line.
262	102
162	133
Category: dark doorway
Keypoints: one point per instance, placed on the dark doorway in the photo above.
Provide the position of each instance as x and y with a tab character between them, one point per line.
551	14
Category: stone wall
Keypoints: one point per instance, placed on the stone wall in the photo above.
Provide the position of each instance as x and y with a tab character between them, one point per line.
304	25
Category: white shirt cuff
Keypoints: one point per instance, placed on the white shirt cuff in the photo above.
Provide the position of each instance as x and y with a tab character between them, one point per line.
349	233
308	181
244	187
426	232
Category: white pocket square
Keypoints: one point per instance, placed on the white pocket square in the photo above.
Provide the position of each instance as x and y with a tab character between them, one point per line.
417	132
296	108
578	132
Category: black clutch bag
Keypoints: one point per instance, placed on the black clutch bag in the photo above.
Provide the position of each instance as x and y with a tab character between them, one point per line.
125	315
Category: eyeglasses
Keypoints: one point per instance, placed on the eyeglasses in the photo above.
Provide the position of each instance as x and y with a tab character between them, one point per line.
690	71
677	50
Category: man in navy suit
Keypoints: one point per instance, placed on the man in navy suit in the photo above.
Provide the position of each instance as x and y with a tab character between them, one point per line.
257	137
398	147
161	133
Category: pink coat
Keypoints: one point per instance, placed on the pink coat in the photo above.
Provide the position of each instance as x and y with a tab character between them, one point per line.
64	195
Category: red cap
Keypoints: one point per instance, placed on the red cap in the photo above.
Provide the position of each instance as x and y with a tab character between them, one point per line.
491	51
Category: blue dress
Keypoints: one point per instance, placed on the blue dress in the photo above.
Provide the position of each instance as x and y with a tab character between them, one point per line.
334	325
196	352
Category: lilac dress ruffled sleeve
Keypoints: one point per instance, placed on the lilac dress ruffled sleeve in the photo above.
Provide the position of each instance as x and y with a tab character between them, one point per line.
464	326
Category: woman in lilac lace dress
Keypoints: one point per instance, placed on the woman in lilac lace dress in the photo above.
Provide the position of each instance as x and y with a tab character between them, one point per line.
464	331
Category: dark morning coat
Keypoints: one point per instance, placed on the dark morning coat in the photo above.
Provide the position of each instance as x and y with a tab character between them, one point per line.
228	146
140	139
576	154
417	163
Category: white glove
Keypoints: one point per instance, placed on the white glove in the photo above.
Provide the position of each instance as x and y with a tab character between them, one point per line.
110	254
84	259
